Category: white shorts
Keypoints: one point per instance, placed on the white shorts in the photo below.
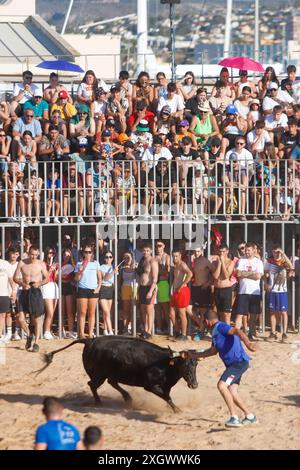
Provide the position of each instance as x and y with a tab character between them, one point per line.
50	291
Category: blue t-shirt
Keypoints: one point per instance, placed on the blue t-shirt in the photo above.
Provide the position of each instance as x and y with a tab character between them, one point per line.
229	347
89	278
107	269
58	435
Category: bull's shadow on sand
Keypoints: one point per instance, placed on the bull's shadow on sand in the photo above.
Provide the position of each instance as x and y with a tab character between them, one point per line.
83	403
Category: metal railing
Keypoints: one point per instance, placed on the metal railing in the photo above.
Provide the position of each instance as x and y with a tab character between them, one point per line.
61	191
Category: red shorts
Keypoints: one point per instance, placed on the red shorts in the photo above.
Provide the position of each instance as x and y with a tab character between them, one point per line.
181	298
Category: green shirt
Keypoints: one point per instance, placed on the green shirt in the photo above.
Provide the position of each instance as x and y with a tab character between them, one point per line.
38	108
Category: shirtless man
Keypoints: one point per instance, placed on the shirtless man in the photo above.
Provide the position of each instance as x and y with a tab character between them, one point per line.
147	272
181	293
163	287
31	274
223	269
201	288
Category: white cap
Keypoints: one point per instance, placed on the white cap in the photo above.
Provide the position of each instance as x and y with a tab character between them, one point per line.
38	93
273	86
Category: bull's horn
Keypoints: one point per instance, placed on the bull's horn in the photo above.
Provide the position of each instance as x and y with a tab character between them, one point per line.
175	354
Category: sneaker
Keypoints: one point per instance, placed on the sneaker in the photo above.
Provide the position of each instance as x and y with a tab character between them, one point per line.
35	348
3	339
233	423
47	220
284	337
246	420
65	220
56	220
16	336
8	336
37	221
48	335
271	337
28	342
29	221
72	335
12	219
198	336
80	220
105	333
181	338
110	333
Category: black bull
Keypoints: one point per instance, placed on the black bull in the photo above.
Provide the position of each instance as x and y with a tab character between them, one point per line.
135	362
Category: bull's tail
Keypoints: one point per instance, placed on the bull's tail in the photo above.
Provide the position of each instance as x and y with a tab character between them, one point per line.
48	358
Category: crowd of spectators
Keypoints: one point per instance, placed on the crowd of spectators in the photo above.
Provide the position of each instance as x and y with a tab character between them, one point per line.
230	152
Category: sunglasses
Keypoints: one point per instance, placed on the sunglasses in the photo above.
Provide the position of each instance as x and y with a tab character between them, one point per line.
107	257
29	115
86	251
28	77
38	97
2	135
241	247
240	143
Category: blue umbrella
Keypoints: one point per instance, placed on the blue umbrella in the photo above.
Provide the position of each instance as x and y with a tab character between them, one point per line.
60	65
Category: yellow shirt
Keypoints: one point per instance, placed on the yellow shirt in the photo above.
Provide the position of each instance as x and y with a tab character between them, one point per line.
66	111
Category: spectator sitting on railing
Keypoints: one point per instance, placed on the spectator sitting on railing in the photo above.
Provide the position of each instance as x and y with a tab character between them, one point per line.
86	91
67	110
27	151
260	189
257	139
5	142
162	184
219	101
232	127
174	101
53	146
183	131
185	155
98	194
126	193
254	113
276	97
53	186
117	108
82	125
232	181
204	126
33	185
5	119
13	184
244	81
22	92
224	76
143	90
141	113
276	123
98	110
39	106
52	90
72	194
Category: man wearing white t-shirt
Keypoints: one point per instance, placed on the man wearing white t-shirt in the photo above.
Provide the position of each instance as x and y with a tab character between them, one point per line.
173	100
249	272
257	138
23	92
275	97
7	292
154	153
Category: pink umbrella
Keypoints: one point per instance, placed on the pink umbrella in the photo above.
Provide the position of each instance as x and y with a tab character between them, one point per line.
242	63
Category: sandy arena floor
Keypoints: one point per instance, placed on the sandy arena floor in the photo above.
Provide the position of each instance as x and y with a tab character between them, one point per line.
271	387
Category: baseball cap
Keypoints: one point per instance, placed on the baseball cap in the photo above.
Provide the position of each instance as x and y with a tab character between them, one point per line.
273	86
110	123
166	109
106	133
205	109
233	156
63	94
254	101
83	142
231	109
184	122
114	88
38	93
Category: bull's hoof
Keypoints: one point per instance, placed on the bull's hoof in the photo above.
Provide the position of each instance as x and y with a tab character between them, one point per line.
176	409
